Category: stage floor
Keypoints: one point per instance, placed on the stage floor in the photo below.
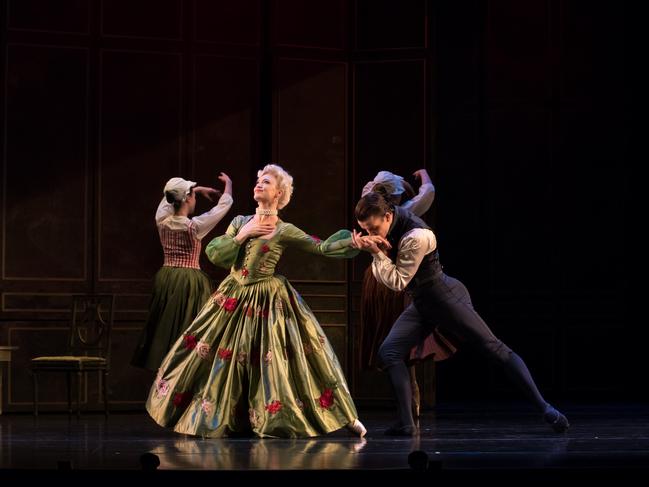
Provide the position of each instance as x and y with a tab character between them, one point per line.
455	437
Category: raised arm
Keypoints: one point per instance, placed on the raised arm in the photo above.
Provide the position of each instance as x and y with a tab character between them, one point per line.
423	200
164	210
207	221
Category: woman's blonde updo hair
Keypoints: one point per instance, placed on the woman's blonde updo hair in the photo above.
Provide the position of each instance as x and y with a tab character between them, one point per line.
284	182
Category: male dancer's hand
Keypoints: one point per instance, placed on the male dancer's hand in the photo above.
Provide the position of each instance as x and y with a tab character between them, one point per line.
364	242
382	243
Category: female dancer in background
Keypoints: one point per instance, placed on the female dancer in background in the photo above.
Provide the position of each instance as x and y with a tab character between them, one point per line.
180	287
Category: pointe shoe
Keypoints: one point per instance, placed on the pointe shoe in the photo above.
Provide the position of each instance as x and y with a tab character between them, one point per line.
359	445
399	430
357	428
556	420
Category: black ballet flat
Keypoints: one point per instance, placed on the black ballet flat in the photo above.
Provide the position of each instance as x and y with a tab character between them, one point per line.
556	420
401	431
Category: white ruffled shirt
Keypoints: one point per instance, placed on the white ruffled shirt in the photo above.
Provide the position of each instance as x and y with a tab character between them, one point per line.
413	247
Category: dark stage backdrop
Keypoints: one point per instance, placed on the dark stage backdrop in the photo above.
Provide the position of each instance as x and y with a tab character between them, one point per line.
517	110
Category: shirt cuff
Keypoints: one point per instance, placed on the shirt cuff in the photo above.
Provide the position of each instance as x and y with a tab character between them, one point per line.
380	256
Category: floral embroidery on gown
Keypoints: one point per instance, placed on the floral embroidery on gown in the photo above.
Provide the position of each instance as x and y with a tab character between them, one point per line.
255	359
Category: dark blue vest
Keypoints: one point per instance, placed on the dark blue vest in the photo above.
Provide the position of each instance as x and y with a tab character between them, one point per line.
430	268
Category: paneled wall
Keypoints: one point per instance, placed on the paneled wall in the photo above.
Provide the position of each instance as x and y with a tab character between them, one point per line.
105	101
513	107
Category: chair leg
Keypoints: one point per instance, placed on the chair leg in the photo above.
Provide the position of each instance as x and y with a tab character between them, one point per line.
35	382
1	389
79	394
68	378
105	388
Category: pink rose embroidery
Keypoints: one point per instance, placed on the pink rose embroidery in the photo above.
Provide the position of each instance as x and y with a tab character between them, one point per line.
207	406
162	387
218	298
203	350
268	358
253	417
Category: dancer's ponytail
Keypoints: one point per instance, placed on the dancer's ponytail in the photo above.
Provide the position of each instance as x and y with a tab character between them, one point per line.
378	202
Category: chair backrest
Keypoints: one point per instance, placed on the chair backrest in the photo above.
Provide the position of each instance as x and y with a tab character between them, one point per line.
91	324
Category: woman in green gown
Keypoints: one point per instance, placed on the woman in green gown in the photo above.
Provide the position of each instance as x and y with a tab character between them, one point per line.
255	359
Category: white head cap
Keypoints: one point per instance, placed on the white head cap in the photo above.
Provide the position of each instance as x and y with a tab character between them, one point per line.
179	188
392	181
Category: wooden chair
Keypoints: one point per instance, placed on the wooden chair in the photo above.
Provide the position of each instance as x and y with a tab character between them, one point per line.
91	322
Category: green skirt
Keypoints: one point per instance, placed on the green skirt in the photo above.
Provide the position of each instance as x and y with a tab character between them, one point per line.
179	293
255	360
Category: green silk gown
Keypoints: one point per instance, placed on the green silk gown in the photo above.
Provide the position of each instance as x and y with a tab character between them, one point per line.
255	359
